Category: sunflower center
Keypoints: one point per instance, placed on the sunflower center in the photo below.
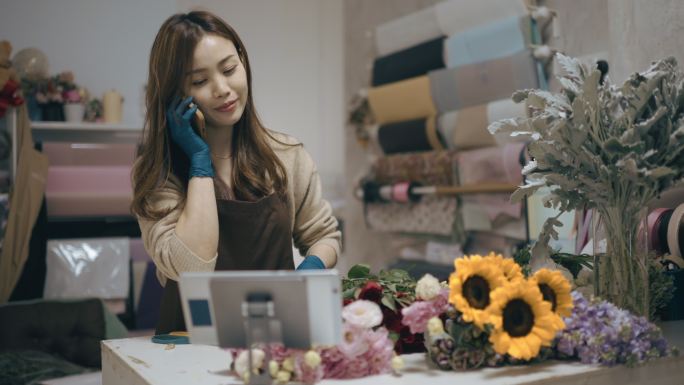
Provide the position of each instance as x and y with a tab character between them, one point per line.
548	294
476	292
518	318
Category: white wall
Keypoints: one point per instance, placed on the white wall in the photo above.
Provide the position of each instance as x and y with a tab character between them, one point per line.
105	43
295	47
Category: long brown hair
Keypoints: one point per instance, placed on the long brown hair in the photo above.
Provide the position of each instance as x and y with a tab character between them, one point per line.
256	169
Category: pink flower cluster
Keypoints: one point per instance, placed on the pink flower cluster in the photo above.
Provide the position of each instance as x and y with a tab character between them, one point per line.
417	315
364	351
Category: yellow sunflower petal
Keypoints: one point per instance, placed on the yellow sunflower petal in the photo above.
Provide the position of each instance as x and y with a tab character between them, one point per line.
510	269
489	278
544	322
500	340
561	288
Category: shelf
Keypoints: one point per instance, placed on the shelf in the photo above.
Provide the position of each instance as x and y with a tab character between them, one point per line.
85	132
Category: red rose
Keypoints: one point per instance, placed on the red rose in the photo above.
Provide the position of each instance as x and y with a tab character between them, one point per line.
372	291
391	319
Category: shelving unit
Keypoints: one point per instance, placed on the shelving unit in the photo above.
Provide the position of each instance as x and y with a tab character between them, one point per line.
87	134
73	132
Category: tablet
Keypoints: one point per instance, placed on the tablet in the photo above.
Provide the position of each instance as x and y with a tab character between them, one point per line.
306	306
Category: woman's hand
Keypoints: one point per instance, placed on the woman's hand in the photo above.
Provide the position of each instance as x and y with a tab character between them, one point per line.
311	262
178	116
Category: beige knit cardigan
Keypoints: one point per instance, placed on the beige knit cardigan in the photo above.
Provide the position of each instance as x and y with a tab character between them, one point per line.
311	216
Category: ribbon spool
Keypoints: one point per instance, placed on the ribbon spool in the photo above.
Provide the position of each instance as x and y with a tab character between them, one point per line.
402	192
658	221
675	235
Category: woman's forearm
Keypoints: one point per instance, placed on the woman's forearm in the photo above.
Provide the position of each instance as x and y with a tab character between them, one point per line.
326	254
198	225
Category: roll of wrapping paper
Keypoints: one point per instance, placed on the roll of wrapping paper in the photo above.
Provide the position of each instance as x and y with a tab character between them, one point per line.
433	215
658	221
475	84
403	192
436	168
409	63
675	235
406	32
467	128
501	38
400	101
491	164
410	136
455	16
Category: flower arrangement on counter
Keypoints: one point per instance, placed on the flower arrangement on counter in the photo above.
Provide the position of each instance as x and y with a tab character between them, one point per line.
610	148
392	291
488	314
497	316
366	349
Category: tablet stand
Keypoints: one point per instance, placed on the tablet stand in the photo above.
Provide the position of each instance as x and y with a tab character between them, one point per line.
260	325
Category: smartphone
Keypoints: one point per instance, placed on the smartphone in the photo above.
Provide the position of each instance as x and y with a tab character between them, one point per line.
198	123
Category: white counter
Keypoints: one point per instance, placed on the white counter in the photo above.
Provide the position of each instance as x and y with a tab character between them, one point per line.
136	361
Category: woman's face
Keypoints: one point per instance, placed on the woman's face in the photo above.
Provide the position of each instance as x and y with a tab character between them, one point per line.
218	81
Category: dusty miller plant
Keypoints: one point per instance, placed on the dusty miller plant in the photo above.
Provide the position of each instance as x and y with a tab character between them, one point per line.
603	146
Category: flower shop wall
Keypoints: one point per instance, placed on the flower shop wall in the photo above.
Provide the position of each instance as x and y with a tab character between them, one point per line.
629	34
360	19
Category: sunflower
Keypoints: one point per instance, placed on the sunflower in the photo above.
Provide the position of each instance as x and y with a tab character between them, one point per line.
511	270
523	322
555	289
470	286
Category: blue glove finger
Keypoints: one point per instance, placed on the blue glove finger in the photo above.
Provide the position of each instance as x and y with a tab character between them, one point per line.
311	262
182	106
178	119
188	114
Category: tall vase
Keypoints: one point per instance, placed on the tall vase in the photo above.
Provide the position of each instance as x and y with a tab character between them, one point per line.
620	236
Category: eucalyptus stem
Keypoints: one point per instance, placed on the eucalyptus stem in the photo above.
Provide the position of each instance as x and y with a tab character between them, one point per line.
623	274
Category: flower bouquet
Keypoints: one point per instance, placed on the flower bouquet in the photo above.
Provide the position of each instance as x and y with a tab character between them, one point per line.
608	148
54	94
366	349
494	315
392	291
488	314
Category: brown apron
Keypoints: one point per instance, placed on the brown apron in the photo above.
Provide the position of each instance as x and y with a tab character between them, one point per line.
252	236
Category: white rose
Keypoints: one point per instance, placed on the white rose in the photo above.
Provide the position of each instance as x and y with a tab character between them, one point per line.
435	326
312	359
288	364
397	363
283	376
242	361
273	368
428	287
363	313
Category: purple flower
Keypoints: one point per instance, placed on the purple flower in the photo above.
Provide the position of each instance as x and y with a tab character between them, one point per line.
600	332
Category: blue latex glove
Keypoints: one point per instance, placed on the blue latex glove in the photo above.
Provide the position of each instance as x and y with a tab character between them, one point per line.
178	117
311	262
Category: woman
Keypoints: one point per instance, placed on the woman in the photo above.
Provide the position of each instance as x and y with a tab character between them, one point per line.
231	197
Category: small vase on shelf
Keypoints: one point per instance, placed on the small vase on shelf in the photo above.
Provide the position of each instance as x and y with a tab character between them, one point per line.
74	112
52	111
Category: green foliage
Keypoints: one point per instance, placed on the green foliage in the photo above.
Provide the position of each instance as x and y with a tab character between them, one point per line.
601	145
398	287
661	289
572	262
